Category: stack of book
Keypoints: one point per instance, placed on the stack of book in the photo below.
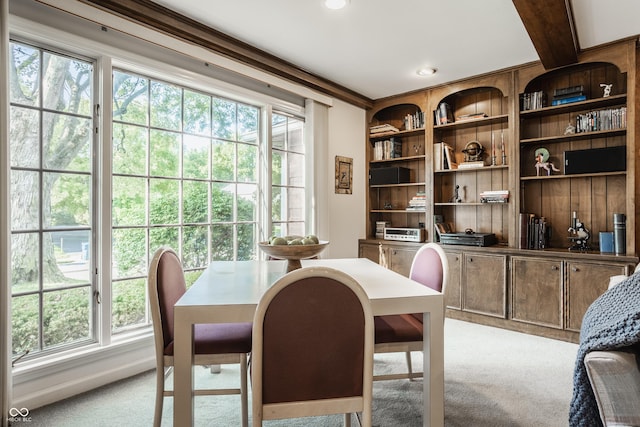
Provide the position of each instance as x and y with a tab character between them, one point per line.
472	116
387	149
534	232
471	165
418	202
380	226
495	196
374	130
567	95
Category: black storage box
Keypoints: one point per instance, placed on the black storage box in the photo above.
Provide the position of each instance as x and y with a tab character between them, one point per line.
594	160
381	176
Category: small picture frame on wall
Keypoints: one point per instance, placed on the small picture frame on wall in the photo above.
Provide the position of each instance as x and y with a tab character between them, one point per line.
344	175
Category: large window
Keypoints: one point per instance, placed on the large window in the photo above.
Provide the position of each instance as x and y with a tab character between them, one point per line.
287	176
51	151
185	174
186	170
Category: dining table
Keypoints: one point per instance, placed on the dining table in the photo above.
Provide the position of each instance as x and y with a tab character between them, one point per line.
229	291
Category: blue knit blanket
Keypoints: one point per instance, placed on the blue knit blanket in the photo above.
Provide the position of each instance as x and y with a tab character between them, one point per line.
611	322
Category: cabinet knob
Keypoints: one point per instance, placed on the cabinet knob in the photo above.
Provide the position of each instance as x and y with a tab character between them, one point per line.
554	267
575	269
470	259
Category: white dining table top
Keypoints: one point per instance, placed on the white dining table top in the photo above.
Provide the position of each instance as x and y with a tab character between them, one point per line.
235	288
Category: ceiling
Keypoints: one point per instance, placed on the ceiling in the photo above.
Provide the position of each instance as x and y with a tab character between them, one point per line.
374	47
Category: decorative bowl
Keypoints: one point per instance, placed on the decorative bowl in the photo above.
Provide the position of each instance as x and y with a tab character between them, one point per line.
293	253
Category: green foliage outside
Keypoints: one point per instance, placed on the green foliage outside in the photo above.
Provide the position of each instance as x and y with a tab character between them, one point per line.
189	183
187	202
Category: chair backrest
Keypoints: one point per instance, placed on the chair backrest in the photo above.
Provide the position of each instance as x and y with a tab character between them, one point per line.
312	339
166	286
430	267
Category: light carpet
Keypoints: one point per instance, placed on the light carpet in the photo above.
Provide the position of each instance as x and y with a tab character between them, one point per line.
493	378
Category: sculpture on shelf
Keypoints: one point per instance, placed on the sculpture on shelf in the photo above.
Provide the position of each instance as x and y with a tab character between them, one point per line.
456	195
607	89
579	235
473	151
570	129
542	162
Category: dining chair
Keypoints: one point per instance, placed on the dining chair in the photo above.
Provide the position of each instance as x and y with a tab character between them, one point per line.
312	348
403	332
214	344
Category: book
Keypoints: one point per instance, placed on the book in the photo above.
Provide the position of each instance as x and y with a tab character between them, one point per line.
450	157
532	101
437	156
494	196
568	100
568	90
473	116
571	95
387	149
383	129
471	165
443	115
533	232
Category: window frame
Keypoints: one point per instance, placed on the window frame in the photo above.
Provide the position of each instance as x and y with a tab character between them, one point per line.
41	169
104	63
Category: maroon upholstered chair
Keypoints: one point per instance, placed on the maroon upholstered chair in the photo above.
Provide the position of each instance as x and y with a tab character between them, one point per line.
312	348
214	344
403	332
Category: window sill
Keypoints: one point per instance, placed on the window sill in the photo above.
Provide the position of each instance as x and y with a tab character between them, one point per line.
36	382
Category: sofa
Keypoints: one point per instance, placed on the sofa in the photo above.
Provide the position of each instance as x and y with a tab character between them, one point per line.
614	376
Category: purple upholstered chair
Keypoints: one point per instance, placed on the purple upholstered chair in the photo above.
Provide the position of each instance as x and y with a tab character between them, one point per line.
312	348
214	344
403	332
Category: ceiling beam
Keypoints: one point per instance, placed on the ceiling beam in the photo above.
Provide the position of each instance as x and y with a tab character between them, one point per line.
551	29
167	21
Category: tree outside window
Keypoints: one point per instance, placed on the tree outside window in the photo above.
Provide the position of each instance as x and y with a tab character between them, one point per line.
51	150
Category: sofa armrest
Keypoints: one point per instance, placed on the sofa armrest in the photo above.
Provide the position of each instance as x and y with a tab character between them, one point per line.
615	380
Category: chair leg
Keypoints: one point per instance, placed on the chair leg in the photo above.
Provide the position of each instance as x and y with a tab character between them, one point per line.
410	370
157	415
243	390
347	420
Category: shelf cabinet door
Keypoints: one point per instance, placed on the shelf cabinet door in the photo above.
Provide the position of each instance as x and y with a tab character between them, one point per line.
537	291
484	284
370	251
452	294
400	259
585	283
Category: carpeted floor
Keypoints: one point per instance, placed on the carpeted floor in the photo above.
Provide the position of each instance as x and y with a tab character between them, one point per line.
493	378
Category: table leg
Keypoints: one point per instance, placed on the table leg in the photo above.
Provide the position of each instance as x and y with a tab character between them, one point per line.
183	371
433	360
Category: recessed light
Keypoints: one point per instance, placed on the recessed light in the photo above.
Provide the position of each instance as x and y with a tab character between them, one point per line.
426	71
336	4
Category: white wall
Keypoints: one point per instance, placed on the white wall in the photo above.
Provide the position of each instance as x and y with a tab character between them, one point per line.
346	215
